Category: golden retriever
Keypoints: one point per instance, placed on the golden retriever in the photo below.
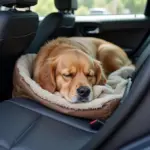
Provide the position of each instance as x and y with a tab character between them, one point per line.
72	66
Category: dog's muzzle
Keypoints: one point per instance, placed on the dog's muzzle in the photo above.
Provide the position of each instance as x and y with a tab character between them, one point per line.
83	91
83	95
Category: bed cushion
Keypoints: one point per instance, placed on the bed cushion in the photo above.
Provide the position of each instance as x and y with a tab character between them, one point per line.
106	98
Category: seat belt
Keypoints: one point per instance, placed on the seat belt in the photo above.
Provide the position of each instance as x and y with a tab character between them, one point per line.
142	47
142	54
45	29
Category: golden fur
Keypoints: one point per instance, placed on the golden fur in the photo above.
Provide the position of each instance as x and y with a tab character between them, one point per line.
66	64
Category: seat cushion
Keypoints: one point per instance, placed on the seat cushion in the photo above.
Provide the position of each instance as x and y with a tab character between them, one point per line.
25	124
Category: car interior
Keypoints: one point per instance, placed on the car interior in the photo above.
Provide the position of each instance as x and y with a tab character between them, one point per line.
27	125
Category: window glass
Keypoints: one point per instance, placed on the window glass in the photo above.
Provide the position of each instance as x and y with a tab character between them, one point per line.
110	7
44	7
96	7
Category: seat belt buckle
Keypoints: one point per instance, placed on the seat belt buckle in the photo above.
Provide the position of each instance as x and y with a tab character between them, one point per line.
96	124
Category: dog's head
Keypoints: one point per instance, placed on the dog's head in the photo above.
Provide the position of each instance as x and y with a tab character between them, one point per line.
73	74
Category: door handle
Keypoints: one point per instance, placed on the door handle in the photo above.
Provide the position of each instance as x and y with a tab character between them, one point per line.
94	31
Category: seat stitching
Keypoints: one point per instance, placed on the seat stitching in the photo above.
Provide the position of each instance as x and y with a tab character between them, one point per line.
15	37
26	130
77	127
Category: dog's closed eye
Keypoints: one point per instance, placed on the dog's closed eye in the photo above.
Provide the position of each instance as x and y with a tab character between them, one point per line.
67	75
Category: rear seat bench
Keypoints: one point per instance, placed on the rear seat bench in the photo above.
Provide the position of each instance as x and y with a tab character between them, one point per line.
26	124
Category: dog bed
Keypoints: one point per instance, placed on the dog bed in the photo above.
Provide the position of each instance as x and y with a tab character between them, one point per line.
106	98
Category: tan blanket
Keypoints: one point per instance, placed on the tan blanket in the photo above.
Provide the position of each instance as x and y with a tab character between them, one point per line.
106	98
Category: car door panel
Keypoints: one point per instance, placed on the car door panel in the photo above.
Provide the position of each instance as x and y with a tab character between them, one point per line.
126	33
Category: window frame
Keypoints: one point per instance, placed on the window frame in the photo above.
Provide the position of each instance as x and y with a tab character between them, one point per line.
109	17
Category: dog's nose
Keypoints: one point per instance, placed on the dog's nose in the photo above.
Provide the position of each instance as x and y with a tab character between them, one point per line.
83	91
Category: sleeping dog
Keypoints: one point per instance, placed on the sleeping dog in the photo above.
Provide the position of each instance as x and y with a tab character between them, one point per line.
72	66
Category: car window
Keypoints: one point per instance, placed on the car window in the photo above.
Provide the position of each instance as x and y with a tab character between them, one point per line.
96	7
110	7
44	7
3	8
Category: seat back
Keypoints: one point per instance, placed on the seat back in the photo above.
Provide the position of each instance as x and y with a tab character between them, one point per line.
67	8
17	30
141	55
55	24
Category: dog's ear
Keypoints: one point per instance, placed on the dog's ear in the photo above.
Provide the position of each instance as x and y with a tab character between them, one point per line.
100	75
47	79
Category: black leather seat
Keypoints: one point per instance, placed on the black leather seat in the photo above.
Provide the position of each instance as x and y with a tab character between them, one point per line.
27	125
57	24
67	26
17	30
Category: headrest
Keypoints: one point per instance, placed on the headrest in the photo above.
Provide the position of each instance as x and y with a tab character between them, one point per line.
66	4
18	3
